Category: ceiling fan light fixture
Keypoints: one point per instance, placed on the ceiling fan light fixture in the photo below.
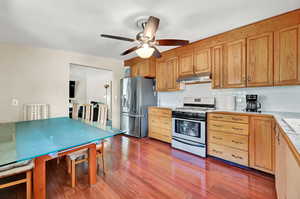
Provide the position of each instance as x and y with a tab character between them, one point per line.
145	51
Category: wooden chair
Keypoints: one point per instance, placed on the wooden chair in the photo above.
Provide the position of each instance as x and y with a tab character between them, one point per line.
82	156
18	168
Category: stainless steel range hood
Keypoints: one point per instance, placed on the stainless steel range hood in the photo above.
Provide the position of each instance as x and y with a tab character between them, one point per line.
201	77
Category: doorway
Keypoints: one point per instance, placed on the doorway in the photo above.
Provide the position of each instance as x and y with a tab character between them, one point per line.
90	85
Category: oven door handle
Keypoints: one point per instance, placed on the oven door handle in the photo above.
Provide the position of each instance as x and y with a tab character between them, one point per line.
197	145
197	121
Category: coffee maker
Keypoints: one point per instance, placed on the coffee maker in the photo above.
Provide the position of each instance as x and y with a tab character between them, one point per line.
252	104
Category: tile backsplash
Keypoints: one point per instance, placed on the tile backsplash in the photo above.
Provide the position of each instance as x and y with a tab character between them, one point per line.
283	98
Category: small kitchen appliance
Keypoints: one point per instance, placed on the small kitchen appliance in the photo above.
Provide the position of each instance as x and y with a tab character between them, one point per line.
252	104
189	125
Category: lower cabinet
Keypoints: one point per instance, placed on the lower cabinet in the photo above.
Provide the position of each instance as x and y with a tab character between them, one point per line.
228	137
160	124
262	143
287	172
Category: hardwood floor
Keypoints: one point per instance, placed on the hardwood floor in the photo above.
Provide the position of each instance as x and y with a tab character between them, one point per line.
146	168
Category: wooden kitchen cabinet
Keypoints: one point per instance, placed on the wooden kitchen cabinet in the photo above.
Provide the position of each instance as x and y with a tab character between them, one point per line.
287	173
234	70
186	65
217	66
167	74
145	68
134	70
262	144
287	56
202	60
228	137
260	60
280	165
160	123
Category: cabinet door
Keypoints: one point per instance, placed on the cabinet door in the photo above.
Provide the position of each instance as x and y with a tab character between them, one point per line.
287	55
262	152
202	60
234	71
292	174
280	165
144	68
186	66
161	84
260	60
171	74
217	64
134	70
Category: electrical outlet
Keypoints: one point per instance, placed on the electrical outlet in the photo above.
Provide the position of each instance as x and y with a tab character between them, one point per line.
15	102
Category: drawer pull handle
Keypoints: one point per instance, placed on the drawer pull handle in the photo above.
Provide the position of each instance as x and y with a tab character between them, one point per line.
218	126
236	156
236	142
217	117
219	152
217	138
236	119
238	129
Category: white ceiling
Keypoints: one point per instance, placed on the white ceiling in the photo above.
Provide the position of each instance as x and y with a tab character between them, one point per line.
75	25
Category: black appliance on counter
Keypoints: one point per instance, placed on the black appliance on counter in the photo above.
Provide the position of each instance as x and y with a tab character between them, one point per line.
252	104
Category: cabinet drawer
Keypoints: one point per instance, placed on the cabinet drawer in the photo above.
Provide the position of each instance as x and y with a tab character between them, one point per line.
228	139
161	131
229	118
160	112
160	134
228	127
162	122
228	153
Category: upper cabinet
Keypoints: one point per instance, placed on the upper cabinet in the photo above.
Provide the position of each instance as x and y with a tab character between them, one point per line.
167	74
194	61
217	64
144	68
186	65
202	60
265	53
287	55
234	67
260	60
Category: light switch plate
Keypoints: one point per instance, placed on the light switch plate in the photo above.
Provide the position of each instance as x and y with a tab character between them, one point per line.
15	102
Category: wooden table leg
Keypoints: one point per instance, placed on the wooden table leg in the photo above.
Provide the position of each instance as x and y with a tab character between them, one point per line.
39	178
92	165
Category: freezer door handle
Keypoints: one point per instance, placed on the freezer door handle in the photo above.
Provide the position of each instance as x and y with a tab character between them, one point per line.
132	115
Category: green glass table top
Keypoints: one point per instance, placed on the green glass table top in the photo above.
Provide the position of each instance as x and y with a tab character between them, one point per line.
26	140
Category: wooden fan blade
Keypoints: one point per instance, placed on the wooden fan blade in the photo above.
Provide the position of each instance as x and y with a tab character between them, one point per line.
171	42
151	27
130	50
117	37
156	52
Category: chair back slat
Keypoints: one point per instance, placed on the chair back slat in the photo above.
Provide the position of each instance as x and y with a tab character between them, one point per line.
75	111
87	112
102	114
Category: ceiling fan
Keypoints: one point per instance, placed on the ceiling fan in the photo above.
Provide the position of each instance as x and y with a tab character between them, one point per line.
147	42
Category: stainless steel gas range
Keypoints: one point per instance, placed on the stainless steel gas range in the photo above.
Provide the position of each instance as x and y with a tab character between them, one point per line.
189	125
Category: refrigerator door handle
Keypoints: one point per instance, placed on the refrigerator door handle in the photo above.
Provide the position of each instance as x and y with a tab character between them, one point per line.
132	115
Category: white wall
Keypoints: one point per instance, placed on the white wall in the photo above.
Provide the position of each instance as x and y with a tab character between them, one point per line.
39	75
285	98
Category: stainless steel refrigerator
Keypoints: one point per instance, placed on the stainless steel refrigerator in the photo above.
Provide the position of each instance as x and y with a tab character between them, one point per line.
137	94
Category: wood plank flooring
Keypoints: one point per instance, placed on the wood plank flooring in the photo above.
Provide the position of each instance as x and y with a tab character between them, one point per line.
150	169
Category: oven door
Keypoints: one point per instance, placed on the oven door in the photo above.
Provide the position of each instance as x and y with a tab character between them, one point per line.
189	130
